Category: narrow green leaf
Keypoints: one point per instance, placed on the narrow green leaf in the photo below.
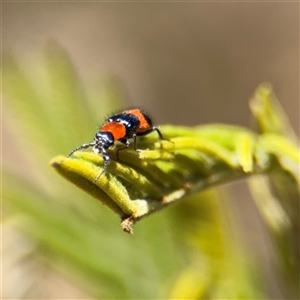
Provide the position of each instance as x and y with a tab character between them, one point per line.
83	173
245	150
269	115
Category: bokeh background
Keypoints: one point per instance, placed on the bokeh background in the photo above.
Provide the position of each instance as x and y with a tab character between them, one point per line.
187	63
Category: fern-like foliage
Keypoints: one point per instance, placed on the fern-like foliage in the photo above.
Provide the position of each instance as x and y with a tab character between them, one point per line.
187	251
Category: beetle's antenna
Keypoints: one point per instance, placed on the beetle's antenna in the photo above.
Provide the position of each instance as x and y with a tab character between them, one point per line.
84	146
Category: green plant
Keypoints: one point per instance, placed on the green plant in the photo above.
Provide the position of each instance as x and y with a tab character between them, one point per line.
187	251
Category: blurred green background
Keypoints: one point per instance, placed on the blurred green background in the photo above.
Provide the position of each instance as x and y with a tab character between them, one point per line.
188	64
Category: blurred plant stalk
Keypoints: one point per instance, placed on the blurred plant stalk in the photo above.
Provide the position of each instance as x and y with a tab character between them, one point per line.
276	193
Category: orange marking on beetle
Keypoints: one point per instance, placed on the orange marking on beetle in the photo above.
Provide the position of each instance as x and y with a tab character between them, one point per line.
117	129
144	124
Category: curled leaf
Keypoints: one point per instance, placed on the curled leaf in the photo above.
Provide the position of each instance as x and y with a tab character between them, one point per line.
165	172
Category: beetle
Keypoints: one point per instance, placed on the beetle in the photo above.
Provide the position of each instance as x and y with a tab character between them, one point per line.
120	127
